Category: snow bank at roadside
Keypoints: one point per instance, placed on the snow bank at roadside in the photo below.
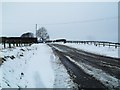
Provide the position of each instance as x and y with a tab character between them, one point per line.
33	67
62	79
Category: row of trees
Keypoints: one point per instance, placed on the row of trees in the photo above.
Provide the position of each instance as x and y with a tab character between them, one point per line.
41	35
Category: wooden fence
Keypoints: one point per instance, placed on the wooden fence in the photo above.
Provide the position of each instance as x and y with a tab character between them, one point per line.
17	41
22	41
97	43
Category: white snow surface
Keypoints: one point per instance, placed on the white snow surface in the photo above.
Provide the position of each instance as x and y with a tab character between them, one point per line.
33	67
37	67
106	50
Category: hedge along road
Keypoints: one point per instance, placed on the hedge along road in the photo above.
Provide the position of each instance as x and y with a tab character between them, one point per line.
89	70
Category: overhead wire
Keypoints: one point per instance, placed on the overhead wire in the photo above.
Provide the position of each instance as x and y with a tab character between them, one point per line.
82	21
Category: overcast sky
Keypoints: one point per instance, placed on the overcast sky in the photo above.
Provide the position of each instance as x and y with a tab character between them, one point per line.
74	21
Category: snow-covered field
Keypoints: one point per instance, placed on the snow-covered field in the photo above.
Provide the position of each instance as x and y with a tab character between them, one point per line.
37	67
106	51
33	67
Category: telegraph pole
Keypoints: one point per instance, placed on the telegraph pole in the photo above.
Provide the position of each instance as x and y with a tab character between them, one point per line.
36	30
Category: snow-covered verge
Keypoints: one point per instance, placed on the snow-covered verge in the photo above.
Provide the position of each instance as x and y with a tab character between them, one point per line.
32	67
62	79
14	67
106	51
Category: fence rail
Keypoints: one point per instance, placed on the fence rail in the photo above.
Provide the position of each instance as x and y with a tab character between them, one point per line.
97	43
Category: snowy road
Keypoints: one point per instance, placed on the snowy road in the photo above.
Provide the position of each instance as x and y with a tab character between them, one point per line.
87	69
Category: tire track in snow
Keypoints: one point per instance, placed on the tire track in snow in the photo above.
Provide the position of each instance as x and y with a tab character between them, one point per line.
109	81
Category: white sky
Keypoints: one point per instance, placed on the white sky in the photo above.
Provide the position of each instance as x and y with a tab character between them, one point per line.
60	0
20	17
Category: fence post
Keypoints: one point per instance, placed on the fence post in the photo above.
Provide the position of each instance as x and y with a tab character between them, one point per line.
9	45
103	44
17	44
109	44
13	44
4	44
115	45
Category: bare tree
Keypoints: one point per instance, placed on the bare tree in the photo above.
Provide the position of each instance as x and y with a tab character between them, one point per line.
42	34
